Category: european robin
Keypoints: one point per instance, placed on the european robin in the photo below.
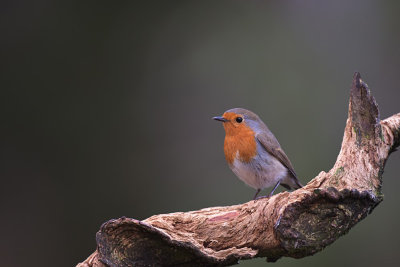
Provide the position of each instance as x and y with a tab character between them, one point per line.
254	154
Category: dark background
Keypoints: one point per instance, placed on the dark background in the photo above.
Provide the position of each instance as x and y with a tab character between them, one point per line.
106	107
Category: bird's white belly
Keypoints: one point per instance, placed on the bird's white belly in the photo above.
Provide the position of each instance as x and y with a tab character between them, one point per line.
261	172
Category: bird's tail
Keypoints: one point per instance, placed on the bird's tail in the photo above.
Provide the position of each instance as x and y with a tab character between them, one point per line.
298	184
291	182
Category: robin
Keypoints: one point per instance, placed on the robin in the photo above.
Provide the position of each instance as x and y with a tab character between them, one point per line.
254	154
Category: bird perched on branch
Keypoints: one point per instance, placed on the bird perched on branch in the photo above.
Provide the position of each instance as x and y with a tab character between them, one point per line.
254	154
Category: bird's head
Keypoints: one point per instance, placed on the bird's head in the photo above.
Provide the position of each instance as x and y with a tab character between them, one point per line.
239	120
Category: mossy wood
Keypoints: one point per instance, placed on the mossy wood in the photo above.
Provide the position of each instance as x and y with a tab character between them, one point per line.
292	224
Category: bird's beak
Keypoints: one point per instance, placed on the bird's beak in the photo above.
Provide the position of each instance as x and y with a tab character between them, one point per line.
220	119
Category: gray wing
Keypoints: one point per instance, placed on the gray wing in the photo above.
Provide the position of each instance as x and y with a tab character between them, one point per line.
270	144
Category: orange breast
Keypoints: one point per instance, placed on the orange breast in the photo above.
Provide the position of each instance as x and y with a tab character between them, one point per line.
241	141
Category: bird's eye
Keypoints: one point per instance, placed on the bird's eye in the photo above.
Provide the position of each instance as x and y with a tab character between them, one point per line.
239	119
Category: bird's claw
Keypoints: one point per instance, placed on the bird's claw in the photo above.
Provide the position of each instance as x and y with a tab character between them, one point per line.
261	197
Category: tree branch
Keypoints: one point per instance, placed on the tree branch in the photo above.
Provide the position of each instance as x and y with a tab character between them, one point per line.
292	224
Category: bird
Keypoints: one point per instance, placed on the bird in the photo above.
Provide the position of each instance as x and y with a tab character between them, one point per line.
254	154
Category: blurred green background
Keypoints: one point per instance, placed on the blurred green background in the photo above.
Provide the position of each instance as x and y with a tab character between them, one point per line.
106	111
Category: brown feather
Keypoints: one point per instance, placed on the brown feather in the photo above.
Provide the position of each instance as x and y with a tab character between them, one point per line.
270	144
240	139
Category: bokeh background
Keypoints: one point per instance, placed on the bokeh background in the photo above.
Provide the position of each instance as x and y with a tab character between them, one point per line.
106	111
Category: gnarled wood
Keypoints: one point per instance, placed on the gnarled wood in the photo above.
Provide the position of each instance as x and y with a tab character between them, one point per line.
293	224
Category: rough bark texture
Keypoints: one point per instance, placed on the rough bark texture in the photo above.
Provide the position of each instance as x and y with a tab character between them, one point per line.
292	224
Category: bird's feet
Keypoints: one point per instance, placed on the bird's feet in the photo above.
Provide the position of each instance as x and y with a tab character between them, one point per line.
261	197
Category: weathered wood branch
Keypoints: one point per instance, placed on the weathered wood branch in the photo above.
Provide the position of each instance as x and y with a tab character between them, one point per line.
292	224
